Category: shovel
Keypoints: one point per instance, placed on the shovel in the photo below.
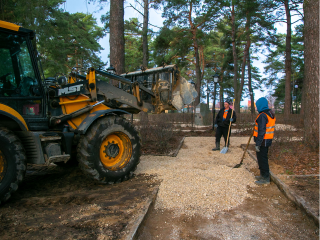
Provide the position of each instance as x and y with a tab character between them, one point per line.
225	149
244	153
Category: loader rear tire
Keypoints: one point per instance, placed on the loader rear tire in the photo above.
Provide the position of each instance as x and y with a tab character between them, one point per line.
110	150
12	163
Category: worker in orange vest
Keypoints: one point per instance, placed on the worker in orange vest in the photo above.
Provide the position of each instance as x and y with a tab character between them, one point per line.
263	135
224	118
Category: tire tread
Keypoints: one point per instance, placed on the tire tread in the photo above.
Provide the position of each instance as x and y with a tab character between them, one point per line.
20	159
85	146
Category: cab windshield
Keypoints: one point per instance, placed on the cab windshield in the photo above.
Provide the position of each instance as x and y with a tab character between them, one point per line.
16	71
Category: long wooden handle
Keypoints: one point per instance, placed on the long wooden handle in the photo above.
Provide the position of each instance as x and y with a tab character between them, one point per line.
230	124
244	153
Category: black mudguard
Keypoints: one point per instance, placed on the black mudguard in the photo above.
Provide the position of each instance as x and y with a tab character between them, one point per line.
86	123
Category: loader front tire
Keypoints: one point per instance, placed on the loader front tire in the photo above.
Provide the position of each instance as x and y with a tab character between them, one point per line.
12	163
109	152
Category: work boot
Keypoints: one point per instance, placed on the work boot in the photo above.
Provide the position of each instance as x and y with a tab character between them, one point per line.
263	181
217	147
258	177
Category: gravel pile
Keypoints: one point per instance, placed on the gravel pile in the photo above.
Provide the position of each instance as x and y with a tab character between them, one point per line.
198	180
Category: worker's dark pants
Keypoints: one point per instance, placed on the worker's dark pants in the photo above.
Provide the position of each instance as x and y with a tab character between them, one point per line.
223	131
262	157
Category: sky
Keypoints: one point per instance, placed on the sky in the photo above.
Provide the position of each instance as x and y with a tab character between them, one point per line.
155	18
74	6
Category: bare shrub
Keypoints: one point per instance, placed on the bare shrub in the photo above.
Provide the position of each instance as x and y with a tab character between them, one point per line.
185	118
295	120
245	123
157	130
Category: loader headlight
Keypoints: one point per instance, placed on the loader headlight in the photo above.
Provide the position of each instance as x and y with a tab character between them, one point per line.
62	80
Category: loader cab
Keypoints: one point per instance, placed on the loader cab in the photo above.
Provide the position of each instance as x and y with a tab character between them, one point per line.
20	79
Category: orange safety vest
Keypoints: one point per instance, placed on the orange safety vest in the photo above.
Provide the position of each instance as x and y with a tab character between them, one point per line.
225	113
269	127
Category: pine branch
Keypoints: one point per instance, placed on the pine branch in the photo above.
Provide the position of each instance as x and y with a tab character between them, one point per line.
136	9
296	21
154	25
138	3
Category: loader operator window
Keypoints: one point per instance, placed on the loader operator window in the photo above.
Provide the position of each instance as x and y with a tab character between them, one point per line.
16	70
17	77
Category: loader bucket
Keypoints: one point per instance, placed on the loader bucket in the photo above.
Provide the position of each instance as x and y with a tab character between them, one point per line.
183	93
171	91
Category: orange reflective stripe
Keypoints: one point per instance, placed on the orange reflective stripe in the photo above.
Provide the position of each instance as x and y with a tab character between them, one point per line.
225	113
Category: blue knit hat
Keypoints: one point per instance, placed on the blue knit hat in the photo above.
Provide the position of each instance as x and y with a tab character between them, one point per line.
228	101
262	104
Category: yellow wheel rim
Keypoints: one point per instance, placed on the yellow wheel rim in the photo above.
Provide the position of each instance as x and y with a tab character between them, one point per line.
115	151
3	166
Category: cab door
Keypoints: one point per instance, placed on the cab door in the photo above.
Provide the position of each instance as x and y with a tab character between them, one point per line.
20	83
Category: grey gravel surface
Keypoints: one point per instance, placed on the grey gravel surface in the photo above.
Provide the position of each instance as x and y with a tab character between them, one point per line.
199	180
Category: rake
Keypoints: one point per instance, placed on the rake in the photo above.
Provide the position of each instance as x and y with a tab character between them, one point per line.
244	153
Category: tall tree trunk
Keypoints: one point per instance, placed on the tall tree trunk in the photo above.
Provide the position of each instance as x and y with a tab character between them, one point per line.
117	58
221	96
287	98
303	99
145	34
235	59
198	71
250	84
248	27
311	71
221	88
243	69
145	51
244	60
196	52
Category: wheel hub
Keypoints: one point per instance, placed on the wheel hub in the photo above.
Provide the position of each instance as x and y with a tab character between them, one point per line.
115	151
111	150
3	166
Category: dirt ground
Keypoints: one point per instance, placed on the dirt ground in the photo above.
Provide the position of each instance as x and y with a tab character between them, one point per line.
61	203
268	215
307	187
265	214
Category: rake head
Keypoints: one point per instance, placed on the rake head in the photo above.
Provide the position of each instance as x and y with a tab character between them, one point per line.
238	165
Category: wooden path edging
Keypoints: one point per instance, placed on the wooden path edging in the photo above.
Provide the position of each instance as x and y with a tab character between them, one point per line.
132	232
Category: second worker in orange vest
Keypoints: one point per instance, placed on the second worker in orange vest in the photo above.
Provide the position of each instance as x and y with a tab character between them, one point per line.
263	135
222	122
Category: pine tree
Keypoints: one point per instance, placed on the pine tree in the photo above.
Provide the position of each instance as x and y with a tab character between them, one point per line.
116	25
311	82
192	18
75	35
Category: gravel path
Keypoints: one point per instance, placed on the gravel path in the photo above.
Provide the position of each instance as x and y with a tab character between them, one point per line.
198	180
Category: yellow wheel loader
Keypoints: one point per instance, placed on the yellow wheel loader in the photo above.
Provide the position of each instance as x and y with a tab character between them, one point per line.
44	121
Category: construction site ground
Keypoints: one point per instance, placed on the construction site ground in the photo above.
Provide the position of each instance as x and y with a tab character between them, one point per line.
262	213
61	203
200	196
